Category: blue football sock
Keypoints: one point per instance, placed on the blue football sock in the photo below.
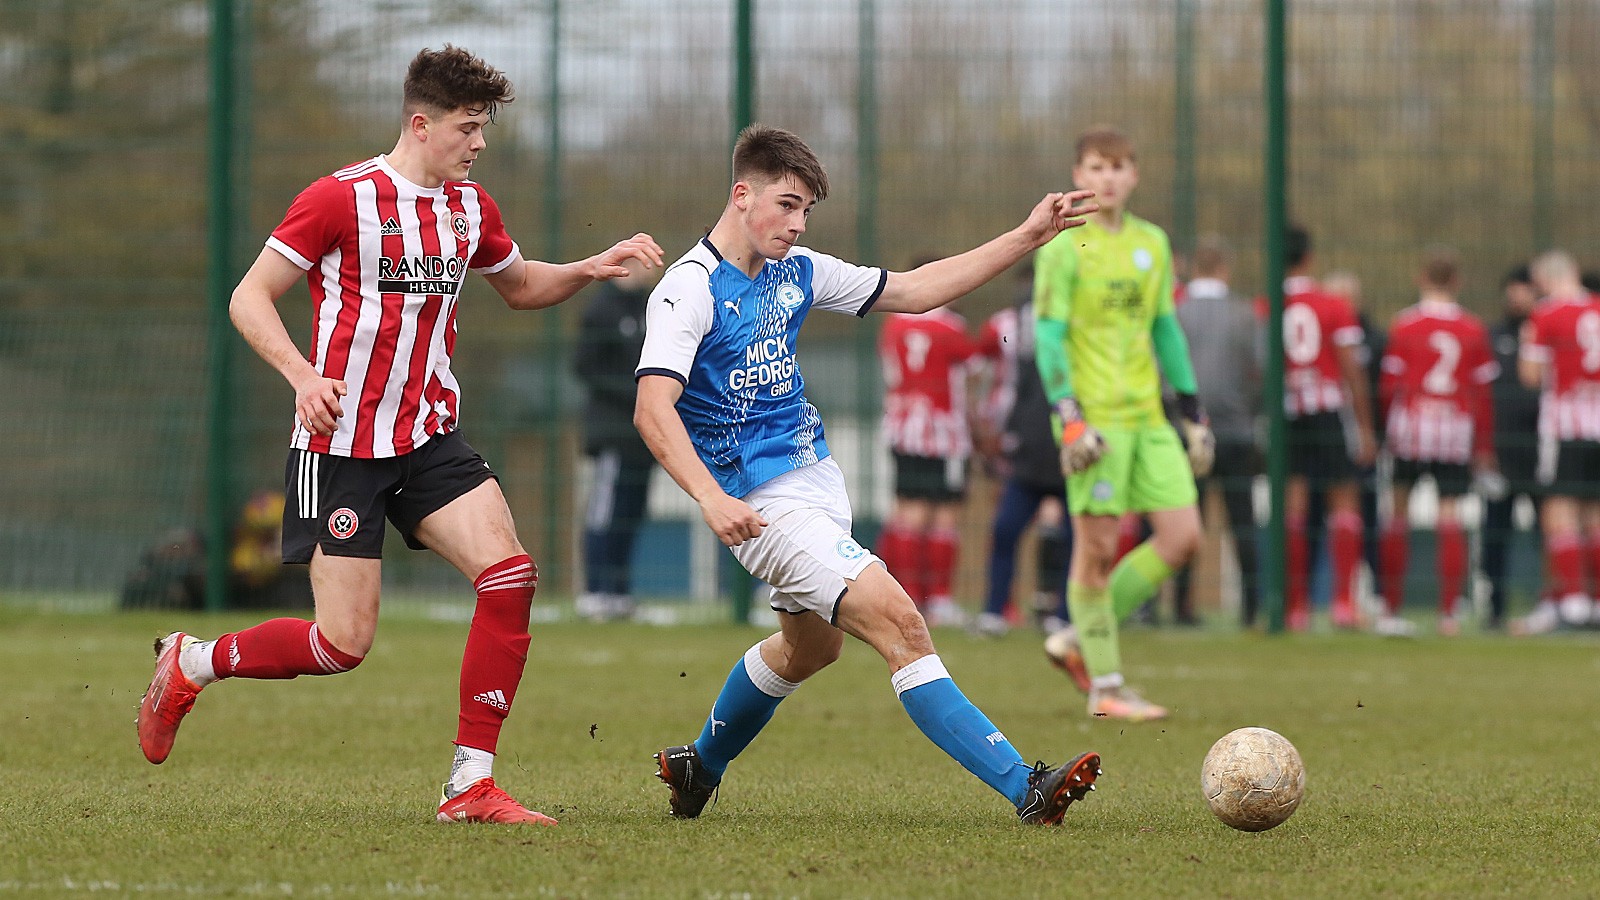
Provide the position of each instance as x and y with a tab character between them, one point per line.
960	729
749	698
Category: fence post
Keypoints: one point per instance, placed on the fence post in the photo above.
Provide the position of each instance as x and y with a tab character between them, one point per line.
867	164
1544	122
552	352
736	580
219	275
1276	223
1183	179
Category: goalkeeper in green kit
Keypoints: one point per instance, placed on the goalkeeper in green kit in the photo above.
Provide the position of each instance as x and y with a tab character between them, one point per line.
1104	317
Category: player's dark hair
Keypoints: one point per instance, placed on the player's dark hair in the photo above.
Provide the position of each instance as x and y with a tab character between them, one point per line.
1517	275
764	153
1590	281
1107	141
1296	246
442	81
1441	267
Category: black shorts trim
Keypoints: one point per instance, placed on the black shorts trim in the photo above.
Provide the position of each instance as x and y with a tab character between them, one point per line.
340	503
1576	470
1452	479
935	478
1319	449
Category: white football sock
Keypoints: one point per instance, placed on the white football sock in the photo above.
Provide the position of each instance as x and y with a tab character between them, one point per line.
194	658
470	765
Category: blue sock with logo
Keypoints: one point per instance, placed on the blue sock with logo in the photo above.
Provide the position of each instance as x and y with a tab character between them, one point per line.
960	729
749	698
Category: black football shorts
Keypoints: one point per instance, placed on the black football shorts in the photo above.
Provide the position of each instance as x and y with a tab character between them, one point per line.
339	503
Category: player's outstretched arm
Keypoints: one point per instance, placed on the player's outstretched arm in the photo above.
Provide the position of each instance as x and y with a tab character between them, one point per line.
254	312
655	414
531	284
933	285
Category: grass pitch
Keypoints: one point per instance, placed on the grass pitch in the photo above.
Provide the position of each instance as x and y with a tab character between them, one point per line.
1435	768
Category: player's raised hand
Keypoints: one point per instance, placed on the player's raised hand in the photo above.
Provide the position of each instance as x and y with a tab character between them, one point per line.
608	265
733	520
1074	208
316	404
1057	212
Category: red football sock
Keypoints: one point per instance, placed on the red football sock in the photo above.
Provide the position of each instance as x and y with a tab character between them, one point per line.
1297	596
1393	553
1129	534
941	557
497	650
1564	555
1594	564
1344	545
897	548
279	648
1452	565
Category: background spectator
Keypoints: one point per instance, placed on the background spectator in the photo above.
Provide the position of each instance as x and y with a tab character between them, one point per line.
610	337
1227	347
1516	417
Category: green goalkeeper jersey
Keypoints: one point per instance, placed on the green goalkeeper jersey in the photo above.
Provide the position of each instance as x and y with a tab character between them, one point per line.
1107	290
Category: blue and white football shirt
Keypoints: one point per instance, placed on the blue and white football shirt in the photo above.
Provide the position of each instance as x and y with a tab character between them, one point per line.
731	341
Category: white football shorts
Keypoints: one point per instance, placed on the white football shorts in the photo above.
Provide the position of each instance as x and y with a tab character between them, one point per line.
806	552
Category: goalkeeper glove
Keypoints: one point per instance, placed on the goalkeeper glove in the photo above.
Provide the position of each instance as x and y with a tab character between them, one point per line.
1195	429
1081	443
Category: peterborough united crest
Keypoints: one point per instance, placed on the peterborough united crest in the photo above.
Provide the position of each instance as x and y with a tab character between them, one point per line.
847	548
343	522
790	296
460	224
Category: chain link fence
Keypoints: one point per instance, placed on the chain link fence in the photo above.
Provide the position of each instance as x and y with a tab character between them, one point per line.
1469	122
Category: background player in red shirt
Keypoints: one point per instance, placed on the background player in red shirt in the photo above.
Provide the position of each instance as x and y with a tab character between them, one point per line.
1324	394
385	245
925	421
1439	412
1561	355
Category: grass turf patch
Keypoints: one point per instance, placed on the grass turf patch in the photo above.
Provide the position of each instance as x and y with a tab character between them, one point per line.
1434	768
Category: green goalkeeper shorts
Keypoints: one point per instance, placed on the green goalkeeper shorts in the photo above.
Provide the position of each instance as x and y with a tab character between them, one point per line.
1143	469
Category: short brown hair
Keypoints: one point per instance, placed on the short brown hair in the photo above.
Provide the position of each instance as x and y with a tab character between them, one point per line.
1107	141
1211	256
442	81
765	154
1441	267
1553	265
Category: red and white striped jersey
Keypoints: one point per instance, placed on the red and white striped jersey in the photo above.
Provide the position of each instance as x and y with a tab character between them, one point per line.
997	346
1437	368
1315	325
385	259
924	360
1563	333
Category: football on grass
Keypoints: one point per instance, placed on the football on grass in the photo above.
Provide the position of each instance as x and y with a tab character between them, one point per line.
1253	779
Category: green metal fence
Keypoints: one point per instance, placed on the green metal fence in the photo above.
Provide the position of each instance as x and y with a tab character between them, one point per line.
1466	121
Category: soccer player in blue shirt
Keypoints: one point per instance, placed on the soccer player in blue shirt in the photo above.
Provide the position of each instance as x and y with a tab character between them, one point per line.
721	404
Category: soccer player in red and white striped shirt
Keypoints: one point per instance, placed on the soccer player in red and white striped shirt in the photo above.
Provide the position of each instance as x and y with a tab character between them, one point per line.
1435	394
384	246
1324	391
1561	355
925	422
